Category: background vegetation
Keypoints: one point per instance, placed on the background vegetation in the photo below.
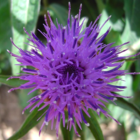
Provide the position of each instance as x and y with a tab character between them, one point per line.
125	26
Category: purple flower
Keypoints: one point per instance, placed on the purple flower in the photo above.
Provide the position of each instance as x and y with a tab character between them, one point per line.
71	71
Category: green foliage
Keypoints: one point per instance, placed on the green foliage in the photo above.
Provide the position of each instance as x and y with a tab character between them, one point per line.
5	34
12	82
132	30
94	125
23	95
127	106
125	22
81	132
5	26
114	10
24	14
29	123
67	135
57	11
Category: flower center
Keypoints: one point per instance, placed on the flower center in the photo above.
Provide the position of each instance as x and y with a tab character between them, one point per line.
70	70
69	73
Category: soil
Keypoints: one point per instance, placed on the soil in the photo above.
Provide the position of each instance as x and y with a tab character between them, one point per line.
11	119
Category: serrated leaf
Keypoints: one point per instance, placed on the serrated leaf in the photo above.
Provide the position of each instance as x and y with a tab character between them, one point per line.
94	125
11	82
58	12
5	26
24	14
29	123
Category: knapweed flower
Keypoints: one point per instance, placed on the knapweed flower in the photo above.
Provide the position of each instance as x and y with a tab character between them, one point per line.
71	71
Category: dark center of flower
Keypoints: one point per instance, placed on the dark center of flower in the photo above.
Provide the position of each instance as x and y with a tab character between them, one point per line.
69	72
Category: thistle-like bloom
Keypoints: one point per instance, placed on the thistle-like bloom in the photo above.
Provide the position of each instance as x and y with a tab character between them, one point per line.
71	71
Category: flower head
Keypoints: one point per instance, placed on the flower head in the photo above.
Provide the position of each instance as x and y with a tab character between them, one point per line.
71	71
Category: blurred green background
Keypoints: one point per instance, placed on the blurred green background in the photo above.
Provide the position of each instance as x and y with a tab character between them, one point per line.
125	26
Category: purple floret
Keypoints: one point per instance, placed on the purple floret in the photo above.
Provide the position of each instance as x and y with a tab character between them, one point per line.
71	71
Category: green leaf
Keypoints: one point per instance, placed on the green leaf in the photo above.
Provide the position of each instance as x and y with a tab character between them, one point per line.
89	8
5	67
88	134
5	34
117	112
24	98
128	106
24	14
67	135
114	36
136	79
28	124
81	131
112	8
126	81
94	126
100	5
11	82
132	11
5	25
58	12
